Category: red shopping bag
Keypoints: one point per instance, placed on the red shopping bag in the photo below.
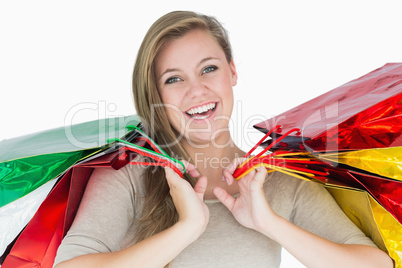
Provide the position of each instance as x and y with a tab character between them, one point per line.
387	192
38	243
364	113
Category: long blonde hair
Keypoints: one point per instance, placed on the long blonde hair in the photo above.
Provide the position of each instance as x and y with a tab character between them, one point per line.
159	212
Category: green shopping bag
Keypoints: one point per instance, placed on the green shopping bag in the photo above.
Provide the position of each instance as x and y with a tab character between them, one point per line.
29	161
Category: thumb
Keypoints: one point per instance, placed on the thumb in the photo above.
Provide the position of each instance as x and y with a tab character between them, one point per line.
225	198
261	174
200	187
171	176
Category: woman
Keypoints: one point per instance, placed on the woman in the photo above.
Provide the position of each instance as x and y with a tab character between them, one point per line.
137	217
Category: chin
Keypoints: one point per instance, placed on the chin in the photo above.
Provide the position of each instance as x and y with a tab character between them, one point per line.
217	138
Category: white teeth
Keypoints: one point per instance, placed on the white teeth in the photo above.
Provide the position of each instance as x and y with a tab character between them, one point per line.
201	109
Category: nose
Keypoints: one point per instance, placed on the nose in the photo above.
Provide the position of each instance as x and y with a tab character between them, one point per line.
196	88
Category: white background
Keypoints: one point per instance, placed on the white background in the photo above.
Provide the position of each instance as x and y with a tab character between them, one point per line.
64	62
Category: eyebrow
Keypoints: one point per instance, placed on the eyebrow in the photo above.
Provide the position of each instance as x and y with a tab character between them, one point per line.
207	59
170	70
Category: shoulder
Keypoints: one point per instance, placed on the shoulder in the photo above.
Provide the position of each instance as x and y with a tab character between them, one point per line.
288	186
286	193
108	188
292	186
310	206
128	178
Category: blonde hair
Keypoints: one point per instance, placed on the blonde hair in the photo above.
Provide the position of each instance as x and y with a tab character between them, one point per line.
159	211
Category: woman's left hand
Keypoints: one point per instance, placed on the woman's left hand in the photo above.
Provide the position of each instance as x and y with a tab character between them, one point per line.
250	208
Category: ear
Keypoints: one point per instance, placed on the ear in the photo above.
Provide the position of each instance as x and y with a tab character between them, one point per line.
233	72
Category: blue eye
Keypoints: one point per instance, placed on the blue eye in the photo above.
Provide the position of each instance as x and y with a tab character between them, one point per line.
172	80
209	69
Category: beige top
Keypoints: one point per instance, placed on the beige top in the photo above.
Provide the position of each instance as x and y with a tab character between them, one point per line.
113	200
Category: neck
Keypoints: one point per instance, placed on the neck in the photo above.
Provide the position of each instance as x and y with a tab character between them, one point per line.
211	160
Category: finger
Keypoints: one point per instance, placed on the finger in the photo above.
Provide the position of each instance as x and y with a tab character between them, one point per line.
171	176
228	177
228	172
224	197
191	169
235	163
249	174
200	187
261	174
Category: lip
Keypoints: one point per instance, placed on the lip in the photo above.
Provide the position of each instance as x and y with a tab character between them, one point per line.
199	105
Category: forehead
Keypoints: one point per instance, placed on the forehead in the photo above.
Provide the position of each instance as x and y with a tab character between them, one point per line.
192	47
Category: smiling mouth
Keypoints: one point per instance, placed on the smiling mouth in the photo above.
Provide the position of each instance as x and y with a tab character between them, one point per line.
202	112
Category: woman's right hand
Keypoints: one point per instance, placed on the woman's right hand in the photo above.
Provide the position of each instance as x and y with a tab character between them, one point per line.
189	201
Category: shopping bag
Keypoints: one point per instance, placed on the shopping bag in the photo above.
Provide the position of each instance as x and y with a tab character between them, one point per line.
372	219
37	245
29	161
381	161
16	215
362	114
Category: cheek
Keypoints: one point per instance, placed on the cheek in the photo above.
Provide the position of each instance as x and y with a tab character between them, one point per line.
171	96
175	115
170	108
227	90
168	104
228	100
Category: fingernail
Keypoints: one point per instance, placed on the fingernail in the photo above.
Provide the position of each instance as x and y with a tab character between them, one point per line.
227	180
223	178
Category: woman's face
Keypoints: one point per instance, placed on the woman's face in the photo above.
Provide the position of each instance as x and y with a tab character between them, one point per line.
195	83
